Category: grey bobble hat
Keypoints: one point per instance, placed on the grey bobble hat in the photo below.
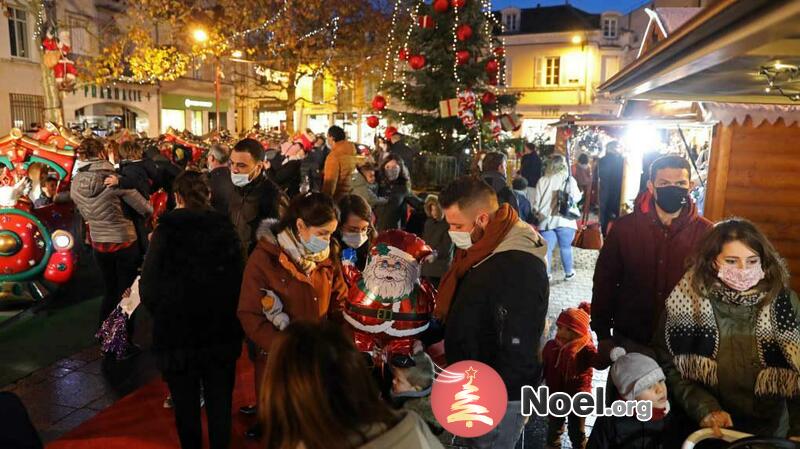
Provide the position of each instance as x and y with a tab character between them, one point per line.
633	373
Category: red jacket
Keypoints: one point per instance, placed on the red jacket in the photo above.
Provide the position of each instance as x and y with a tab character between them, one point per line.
639	265
555	378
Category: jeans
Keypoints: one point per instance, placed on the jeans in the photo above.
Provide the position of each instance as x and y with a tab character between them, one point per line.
562	237
506	434
119	269
217	382
576	429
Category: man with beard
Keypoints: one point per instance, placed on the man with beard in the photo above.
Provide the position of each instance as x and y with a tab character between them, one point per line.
390	305
493	300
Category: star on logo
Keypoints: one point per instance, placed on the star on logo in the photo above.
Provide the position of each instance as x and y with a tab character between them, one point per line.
471	372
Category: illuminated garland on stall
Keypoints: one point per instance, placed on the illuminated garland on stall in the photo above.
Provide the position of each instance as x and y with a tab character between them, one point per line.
779	73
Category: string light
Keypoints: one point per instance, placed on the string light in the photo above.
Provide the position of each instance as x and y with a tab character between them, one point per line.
390	46
264	25
413	21
334	25
455	48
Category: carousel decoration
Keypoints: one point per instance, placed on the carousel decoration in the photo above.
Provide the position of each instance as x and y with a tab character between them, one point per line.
34	246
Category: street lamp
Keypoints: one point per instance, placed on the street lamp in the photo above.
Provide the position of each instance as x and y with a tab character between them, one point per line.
576	39
201	36
237	54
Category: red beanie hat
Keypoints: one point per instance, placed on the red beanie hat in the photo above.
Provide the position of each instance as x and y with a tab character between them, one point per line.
576	319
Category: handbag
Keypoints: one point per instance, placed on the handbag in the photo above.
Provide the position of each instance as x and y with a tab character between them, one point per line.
565	204
589	235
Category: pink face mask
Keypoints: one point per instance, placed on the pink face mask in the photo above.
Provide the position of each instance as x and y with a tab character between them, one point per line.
741	279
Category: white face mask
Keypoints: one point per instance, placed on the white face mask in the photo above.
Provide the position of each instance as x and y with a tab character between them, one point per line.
240	179
354	239
462	239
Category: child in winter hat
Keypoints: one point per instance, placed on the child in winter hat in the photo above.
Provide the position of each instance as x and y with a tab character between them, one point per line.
411	390
568	361
636	377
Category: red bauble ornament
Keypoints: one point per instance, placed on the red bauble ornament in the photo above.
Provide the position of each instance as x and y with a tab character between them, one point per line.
416	62
492	66
493	80
440	6
373	121
390	131
458	3
378	103
462	57
463	32
426	22
488	116
499	52
488	98
402	54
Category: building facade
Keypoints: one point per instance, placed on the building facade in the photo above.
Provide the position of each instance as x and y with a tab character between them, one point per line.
188	103
556	57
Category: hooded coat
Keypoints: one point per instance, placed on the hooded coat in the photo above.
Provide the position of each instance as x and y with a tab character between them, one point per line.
102	207
499	308
640	263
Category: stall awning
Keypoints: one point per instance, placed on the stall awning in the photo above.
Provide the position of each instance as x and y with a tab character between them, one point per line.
727	113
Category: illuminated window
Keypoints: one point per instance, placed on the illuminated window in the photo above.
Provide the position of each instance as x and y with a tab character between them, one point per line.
552	71
18	32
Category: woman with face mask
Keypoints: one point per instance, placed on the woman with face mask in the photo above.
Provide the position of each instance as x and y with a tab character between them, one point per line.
395	185
293	271
355	232
730	339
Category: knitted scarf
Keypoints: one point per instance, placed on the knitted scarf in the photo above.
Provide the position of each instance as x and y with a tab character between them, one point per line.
692	337
296	251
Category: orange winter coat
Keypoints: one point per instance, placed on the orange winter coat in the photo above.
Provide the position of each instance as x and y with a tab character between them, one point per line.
316	297
339	166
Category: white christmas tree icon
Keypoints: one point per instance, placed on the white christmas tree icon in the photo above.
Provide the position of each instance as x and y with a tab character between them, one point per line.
464	406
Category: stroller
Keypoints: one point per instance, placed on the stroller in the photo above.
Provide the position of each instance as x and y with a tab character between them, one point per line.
739	440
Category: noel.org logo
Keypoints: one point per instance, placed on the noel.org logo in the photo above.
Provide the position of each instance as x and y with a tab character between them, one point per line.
469	398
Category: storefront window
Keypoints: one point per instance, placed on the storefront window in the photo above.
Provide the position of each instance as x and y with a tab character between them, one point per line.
197	123
271	119
319	123
174	118
212	118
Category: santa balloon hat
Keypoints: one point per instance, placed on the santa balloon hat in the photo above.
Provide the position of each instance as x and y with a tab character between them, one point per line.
402	244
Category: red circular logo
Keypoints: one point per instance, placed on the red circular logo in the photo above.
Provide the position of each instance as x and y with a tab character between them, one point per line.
469	398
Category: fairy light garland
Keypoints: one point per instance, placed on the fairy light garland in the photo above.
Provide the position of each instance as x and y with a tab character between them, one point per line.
413	21
334	25
41	19
264	25
390	46
455	49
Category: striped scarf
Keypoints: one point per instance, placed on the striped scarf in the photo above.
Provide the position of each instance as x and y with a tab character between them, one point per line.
692	337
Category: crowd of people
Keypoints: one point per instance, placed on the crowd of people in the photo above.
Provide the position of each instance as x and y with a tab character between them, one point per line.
255	248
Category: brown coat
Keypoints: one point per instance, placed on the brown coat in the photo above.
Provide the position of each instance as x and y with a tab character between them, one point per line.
315	297
340	164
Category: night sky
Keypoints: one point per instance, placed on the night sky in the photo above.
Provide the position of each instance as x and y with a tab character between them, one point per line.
594	6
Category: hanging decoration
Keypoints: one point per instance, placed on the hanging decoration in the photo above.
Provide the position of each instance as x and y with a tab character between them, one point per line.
511	122
464	32
416	62
426	22
448	108
65	71
492	67
402	54
378	103
372	121
488	98
499	52
51	51
458	3
440	6
462	57
466	108
390	131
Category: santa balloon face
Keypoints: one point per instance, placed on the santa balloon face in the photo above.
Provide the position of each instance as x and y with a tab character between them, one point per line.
390	277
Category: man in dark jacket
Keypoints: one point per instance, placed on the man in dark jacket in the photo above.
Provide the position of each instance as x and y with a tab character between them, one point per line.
610	170
494	298
494	174
644	257
399	148
254	198
531	168
219	178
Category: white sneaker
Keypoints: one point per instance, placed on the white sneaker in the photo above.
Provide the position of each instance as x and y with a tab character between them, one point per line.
569	276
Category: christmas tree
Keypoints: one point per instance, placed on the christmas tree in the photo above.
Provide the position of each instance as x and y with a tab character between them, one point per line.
465	409
447	50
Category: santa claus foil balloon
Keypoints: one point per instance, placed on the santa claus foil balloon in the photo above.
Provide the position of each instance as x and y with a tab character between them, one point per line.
389	305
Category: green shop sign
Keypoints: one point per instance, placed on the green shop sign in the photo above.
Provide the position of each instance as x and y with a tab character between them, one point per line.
169	101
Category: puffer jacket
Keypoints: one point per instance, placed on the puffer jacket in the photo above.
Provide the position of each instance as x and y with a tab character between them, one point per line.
410	433
101	206
366	190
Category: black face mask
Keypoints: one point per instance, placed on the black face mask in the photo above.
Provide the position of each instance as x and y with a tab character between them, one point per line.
672	198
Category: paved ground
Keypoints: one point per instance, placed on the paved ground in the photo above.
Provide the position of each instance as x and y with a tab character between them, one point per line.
71	391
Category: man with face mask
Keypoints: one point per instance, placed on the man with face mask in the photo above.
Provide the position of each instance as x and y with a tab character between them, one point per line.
643	259
493	299
255	198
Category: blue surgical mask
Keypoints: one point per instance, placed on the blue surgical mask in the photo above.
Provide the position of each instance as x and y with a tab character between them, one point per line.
315	244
